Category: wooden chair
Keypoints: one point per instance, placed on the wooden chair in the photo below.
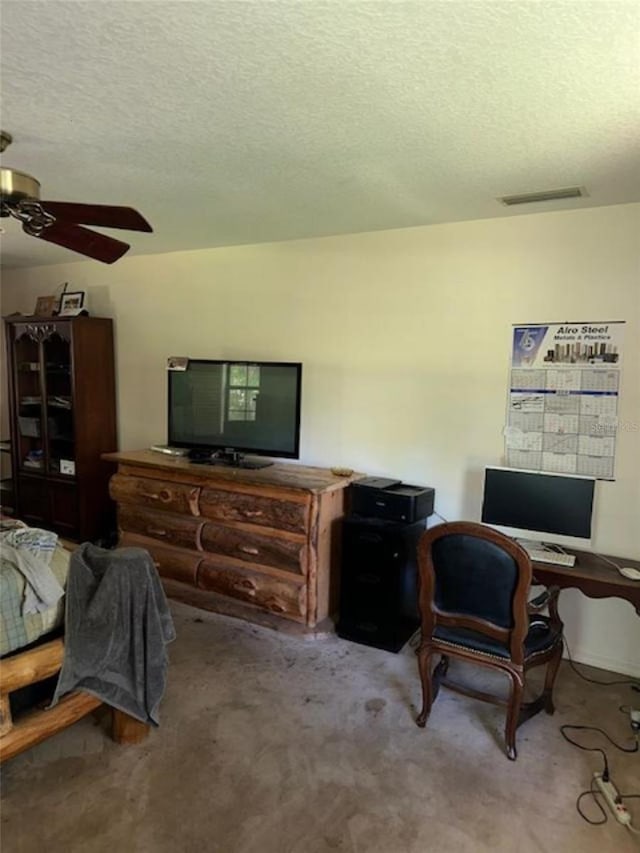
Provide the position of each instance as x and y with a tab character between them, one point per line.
474	584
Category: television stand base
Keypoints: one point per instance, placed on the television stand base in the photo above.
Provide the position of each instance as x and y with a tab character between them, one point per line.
228	458
251	464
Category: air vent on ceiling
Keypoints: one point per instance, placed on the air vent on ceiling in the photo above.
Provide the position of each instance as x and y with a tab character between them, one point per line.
546	195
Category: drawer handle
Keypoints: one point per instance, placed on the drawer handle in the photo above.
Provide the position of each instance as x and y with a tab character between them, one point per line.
255	513
368	577
164	495
248	549
274	604
156	531
245	585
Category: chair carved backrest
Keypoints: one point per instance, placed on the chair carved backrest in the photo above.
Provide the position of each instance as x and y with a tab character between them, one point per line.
474	577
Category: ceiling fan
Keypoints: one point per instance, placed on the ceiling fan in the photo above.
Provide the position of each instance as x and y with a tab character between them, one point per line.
61	222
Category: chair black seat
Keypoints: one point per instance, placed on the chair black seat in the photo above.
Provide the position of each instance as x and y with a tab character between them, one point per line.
540	638
474	584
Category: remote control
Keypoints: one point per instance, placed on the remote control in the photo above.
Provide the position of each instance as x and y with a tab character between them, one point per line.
169	451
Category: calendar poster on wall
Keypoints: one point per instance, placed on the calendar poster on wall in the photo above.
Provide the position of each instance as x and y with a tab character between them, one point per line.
562	413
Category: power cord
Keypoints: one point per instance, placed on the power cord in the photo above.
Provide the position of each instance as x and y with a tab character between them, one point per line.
608	560
632	681
605	817
604	785
594	794
605	776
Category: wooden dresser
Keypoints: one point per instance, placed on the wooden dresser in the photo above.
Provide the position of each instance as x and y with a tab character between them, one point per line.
259	544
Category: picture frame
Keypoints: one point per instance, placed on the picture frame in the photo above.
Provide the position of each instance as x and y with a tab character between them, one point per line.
72	303
177	362
46	306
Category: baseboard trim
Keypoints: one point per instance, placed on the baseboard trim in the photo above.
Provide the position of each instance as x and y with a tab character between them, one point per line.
623	667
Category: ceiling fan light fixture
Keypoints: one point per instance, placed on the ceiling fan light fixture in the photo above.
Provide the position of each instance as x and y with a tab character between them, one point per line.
61	222
15	186
544	195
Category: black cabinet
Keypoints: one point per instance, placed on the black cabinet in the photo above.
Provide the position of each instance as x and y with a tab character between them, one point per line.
379	582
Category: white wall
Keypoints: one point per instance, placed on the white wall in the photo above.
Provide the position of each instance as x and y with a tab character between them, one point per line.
405	339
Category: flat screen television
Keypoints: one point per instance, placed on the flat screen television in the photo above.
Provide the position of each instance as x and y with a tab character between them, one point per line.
221	410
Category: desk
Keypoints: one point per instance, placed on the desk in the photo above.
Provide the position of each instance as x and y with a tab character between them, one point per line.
593	576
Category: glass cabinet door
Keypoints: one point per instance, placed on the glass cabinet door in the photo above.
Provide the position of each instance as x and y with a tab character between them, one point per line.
58	406
29	404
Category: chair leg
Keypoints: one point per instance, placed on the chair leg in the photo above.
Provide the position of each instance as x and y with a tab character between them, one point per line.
513	713
424	664
550	680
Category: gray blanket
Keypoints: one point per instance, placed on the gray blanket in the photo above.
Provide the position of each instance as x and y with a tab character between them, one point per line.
117	626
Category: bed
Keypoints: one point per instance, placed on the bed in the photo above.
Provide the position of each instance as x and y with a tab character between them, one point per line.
18	630
31	651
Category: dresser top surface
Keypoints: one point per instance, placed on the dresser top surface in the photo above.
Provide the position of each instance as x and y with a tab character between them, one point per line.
288	475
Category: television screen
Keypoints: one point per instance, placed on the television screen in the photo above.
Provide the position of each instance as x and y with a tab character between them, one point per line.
546	503
236	405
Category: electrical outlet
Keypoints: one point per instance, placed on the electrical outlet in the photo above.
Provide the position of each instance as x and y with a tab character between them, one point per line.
612	798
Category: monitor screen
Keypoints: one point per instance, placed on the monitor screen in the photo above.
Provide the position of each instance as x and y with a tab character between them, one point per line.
236	405
547	503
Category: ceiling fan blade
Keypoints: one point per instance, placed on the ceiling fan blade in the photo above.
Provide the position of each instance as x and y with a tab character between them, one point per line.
82	240
102	215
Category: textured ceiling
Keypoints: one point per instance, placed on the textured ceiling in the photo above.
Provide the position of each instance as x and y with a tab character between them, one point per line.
241	122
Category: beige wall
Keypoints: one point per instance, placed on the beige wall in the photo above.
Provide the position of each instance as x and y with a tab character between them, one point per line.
404	336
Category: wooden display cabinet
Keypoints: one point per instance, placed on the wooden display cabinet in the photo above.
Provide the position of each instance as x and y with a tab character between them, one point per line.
63	417
6	479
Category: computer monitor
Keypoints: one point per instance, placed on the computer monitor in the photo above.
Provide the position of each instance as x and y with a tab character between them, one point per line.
556	504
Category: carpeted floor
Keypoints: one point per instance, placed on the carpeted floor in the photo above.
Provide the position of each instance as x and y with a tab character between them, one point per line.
271	744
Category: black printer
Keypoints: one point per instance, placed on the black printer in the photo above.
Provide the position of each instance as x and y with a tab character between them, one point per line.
381	497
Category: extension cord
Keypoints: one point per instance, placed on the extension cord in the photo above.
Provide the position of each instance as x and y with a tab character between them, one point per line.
612	797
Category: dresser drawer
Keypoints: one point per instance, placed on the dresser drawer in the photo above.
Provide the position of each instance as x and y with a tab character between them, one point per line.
255	547
276	596
172	497
221	505
170	562
181	531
